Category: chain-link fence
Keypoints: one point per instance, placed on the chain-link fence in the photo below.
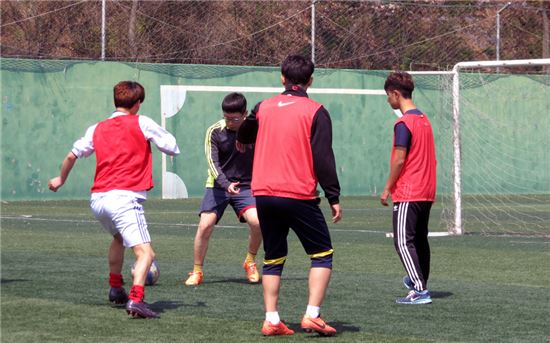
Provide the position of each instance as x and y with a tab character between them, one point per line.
411	35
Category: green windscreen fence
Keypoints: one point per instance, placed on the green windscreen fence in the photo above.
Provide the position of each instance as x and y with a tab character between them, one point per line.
47	105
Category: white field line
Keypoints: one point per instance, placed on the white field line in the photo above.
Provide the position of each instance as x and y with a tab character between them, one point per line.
430	234
536	242
387	234
26	218
327	211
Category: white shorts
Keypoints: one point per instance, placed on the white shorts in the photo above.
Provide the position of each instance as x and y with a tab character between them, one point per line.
121	214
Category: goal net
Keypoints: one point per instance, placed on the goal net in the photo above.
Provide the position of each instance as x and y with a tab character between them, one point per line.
493	150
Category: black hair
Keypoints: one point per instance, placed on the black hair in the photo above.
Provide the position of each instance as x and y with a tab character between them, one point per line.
233	103
400	81
297	69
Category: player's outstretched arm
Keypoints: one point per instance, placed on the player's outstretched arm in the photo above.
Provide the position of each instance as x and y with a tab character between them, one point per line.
66	167
163	140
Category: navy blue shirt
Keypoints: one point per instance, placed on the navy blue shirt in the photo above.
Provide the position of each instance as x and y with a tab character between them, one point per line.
402	133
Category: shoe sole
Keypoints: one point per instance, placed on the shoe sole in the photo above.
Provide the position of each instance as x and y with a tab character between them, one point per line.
192	284
419	302
135	314
277	334
308	330
118	304
248	278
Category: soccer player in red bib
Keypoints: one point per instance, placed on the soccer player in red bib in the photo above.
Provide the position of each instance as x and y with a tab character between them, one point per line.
293	153
123	176
411	185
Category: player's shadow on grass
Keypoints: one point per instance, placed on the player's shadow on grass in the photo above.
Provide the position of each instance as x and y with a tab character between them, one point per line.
5	281
231	280
440	294
243	281
344	327
161	306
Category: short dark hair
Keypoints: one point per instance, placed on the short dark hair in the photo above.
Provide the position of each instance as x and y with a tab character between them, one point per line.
297	69
233	103
127	93
400	81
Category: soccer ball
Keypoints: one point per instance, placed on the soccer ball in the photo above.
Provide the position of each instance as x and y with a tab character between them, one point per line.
152	275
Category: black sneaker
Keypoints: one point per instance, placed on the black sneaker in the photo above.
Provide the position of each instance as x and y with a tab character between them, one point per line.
118	296
140	310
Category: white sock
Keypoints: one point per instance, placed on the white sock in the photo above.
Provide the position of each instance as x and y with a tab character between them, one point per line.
272	317
313	311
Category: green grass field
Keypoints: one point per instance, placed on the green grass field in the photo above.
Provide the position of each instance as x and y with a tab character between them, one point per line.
54	282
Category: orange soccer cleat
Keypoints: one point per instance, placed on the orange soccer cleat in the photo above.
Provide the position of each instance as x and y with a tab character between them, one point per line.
251	272
194	279
280	329
318	325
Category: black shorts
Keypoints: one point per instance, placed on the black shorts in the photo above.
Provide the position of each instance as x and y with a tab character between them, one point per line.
278	214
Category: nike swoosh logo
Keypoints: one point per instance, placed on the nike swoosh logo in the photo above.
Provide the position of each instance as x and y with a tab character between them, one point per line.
282	104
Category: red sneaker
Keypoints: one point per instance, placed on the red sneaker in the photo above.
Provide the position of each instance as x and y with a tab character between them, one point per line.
280	329
318	325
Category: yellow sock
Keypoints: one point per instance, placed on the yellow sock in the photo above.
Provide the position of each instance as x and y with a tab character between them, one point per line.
250	257
197	268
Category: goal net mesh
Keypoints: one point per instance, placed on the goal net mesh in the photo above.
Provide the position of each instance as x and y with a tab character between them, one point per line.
505	161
